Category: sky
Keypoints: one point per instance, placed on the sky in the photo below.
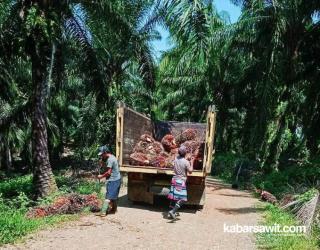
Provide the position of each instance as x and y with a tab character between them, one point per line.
221	5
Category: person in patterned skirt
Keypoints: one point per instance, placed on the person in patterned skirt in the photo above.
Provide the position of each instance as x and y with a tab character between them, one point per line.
178	189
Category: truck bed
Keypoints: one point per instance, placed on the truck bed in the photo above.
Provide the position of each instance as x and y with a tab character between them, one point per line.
146	182
132	124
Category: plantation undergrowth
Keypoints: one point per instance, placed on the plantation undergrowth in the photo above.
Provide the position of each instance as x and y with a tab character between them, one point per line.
16	201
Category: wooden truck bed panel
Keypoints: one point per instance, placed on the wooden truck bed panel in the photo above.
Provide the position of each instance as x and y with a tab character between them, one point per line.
134	125
153	170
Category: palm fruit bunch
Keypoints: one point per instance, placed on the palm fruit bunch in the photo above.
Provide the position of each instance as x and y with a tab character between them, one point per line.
198	157
191	146
141	147
159	161
60	206
266	196
169	161
37	212
168	142
187	135
194	150
155	148
140	159
148	146
77	202
149	152
69	204
93	202
146	138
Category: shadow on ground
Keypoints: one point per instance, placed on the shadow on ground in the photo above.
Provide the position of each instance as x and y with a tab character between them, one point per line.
241	210
161	204
216	184
238	195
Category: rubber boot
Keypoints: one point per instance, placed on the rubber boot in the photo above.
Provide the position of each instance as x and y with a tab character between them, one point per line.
173	212
172	215
104	209
115	207
112	207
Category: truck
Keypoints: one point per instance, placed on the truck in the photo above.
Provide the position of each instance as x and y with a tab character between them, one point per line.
146	182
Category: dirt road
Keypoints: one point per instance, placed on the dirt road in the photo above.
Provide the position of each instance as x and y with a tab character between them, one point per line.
145	227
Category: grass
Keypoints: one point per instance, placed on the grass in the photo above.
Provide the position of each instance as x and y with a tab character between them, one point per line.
15	200
14	225
274	215
13	187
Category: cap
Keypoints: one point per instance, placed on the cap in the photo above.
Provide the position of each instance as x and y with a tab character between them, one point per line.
103	149
182	151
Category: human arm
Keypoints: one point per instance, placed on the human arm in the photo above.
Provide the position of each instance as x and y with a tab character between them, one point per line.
190	166
106	174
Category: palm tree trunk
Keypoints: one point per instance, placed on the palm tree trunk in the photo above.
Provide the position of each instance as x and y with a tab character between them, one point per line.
1	152
43	178
8	159
7	152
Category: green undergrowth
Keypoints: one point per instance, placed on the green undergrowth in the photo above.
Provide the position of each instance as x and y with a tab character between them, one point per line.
280	241
14	225
16	199
287	178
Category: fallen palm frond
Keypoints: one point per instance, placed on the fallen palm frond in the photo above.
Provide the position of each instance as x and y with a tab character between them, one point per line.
306	214
304	207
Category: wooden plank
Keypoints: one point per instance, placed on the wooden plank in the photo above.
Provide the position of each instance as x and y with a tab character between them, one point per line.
196	194
211	134
119	134
141	189
205	156
138	190
152	170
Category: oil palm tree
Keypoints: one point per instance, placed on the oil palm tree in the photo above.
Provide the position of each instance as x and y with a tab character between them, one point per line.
38	31
254	71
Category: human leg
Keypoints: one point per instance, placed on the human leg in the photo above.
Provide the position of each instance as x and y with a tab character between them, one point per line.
177	206
113	189
105	207
174	211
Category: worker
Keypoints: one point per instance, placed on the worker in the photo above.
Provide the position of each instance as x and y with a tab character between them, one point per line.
178	189
113	177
